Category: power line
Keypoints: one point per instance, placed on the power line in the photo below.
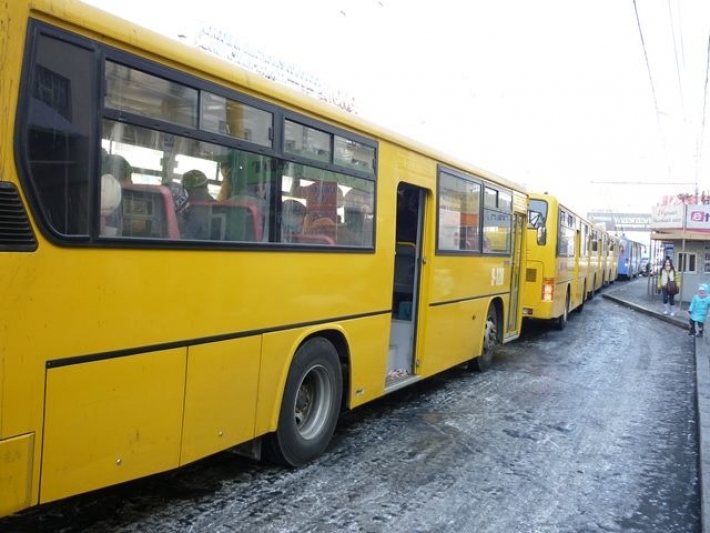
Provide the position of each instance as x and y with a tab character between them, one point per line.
642	182
680	23
705	100
653	88
677	66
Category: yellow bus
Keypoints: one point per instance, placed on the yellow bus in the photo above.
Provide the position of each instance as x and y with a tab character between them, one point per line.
612	257
603	259
146	324
558	260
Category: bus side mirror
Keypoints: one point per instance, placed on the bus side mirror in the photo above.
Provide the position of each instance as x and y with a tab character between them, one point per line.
541	235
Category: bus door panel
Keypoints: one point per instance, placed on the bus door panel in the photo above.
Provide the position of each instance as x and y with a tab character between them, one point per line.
220	396
452	335
578	293
111	420
517	259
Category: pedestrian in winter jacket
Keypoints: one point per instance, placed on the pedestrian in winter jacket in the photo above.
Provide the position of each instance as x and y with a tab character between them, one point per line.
698	311
665	276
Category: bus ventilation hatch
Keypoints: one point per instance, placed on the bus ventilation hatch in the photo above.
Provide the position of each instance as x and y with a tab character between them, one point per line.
16	234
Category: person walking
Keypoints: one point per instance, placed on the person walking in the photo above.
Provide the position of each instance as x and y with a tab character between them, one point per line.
668	285
698	311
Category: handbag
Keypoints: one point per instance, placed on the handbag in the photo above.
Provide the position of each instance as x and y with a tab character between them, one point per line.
672	287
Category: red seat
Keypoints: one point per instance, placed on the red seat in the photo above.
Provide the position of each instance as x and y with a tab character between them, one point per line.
148	211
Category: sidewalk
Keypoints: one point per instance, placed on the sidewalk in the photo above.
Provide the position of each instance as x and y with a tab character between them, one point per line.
641	296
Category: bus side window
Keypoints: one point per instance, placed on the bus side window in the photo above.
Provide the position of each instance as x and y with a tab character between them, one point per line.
56	140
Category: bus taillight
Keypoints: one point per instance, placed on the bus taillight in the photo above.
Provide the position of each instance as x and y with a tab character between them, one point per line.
548	289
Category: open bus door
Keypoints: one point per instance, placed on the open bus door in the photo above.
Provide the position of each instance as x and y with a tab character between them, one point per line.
401	366
512	328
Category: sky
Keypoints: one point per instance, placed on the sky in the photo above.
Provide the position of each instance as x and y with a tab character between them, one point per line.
600	102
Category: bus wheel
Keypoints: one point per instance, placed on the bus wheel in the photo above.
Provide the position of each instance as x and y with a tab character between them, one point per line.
490	340
562	319
310	405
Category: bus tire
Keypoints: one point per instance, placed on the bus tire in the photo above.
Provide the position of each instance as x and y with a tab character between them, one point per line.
490	341
310	406
562	319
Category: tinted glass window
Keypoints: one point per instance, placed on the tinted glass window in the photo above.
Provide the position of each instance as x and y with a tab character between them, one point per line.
235	119
497	221
566	235
459	208
324	207
355	155
307	142
537	214
137	92
58	131
98	169
170	186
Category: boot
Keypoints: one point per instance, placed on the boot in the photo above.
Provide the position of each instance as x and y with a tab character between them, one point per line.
672	310
665	309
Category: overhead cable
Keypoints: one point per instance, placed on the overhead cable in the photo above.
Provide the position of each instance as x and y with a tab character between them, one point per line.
653	88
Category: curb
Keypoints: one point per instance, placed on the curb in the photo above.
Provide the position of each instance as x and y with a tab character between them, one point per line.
665	318
702	374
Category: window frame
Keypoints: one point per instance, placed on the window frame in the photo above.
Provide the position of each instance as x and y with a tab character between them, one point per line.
35	31
687	257
500	211
570	226
585	232
333	131
594	242
101	53
544	214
